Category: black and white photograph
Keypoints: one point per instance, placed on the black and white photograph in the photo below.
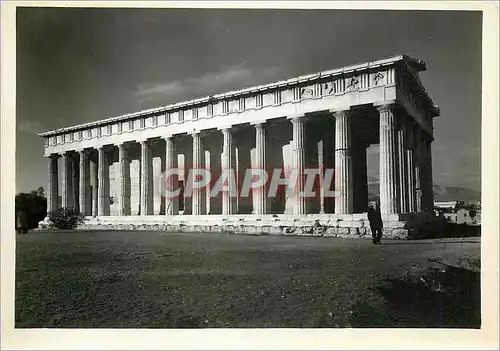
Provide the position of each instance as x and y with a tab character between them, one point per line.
251	167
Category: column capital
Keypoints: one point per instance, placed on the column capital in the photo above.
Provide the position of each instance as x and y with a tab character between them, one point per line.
259	124
194	132
339	109
168	137
225	128
385	105
338	113
53	156
121	143
83	151
296	116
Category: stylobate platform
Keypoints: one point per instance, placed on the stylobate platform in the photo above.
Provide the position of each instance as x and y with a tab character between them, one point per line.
332	225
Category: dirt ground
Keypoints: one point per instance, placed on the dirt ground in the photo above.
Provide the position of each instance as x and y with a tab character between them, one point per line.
158	280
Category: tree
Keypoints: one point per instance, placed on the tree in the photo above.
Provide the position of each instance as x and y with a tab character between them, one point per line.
33	205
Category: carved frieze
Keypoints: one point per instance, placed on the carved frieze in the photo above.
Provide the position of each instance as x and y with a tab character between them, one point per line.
378	79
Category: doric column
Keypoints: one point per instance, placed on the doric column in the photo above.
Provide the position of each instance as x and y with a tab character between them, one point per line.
343	164
426	176
228	203
53	184
74	182
101	181
188	167
198	193
418	170
172	182
67	180
260	194
321	171
146	185
389	195
84	183
124	192
430	183
95	193
410	167
299	204
402	163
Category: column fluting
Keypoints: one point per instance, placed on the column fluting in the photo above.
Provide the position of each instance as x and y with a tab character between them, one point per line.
343	164
53	184
124	192
66	181
389	194
101	179
84	182
146	199
197	166
172	182
403	166
260	193
228	205
299	204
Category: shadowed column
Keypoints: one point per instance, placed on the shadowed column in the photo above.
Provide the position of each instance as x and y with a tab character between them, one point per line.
75	191
410	167
146	203
84	183
402	163
53	184
172	180
418	169
67	179
426	175
103	180
124	195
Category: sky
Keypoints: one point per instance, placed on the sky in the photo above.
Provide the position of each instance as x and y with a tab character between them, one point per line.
81	65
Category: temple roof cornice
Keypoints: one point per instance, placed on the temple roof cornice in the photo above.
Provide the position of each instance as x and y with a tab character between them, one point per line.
415	64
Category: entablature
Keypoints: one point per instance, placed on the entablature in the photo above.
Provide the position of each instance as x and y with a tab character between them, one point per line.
370	82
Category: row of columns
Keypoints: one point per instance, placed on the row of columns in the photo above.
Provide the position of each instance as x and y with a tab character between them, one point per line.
405	171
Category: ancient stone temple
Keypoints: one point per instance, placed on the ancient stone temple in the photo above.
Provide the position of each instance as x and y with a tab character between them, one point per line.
303	135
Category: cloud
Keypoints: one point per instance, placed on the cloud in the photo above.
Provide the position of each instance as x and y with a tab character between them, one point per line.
227	78
30	127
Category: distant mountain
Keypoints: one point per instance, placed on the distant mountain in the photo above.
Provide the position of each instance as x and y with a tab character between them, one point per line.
450	193
441	192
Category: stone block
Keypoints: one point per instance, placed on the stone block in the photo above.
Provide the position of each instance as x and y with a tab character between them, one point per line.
400	234
346	224
359	216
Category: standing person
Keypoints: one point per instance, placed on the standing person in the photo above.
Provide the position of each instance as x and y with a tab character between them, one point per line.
375	219
21	222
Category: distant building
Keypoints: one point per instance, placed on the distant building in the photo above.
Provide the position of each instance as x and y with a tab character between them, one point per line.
456	212
446	204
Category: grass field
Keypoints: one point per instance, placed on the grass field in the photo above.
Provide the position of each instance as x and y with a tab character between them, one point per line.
157	280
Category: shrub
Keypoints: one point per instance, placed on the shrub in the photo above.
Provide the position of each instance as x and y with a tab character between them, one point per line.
426	225
65	218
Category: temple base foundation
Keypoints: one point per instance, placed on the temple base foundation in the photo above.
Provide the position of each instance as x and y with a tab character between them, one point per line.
321	225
